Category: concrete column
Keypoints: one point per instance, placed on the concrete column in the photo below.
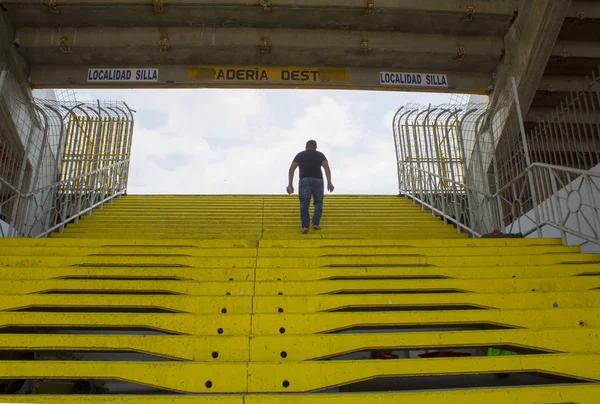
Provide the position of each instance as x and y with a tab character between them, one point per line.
528	45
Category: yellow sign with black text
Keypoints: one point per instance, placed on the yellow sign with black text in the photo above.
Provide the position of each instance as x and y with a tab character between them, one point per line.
266	75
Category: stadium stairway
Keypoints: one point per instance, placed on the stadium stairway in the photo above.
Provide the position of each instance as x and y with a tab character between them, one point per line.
220	300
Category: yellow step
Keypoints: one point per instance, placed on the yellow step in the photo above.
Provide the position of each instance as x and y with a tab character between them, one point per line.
234	306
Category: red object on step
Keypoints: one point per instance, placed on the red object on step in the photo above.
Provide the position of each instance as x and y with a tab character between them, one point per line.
383	355
444	354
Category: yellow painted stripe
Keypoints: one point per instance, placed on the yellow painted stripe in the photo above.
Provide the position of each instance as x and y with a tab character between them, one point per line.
123	286
307	274
530	300
303	304
285	252
192	324
272	324
174	376
429	252
269	377
468	242
200	349
128	260
86	302
141	273
540	285
312	347
410	259
130	251
399	272
241	288
111	242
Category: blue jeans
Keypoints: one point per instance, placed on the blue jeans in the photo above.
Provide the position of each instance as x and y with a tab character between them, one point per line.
311	187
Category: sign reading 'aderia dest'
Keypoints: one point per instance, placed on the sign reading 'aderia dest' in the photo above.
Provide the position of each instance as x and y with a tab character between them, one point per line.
413	79
122	75
266	75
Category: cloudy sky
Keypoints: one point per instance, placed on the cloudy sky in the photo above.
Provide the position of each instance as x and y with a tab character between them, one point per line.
243	141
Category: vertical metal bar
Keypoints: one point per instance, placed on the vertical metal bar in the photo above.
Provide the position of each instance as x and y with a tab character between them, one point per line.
131	125
520	211
542	144
407	137
419	156
440	161
534	146
589	137
406	151
550	124
559	213
568	136
484	182
396	134
564	135
430	159
450	150
594	207
527	160
83	188
114	154
57	195
470	196
95	158
20	211
107	135
71	144
575	127
496	181
593	113
595	90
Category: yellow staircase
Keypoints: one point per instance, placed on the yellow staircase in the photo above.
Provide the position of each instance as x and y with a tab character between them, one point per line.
220	300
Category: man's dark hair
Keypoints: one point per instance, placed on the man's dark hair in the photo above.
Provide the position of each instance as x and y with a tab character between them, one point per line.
311	143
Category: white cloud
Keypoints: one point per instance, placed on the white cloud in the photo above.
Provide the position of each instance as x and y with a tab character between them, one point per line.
242	141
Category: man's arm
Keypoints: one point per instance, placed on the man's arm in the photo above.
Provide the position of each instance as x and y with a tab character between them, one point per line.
290	187
325	165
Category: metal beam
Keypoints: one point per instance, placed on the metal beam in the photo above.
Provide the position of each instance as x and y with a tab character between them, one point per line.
498	7
576	49
176	76
111	37
584	9
563	83
539	114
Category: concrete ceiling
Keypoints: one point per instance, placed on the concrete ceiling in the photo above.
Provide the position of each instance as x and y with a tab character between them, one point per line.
569	68
400	35
62	39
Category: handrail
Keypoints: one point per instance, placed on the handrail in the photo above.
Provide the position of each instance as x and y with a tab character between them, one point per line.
592	215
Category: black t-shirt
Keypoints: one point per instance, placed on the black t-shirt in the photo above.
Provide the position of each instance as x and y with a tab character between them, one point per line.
310	162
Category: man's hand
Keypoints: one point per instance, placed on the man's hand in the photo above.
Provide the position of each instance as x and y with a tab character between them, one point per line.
330	187
290	189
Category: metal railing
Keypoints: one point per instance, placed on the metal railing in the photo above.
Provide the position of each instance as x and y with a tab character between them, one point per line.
58	160
474	167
